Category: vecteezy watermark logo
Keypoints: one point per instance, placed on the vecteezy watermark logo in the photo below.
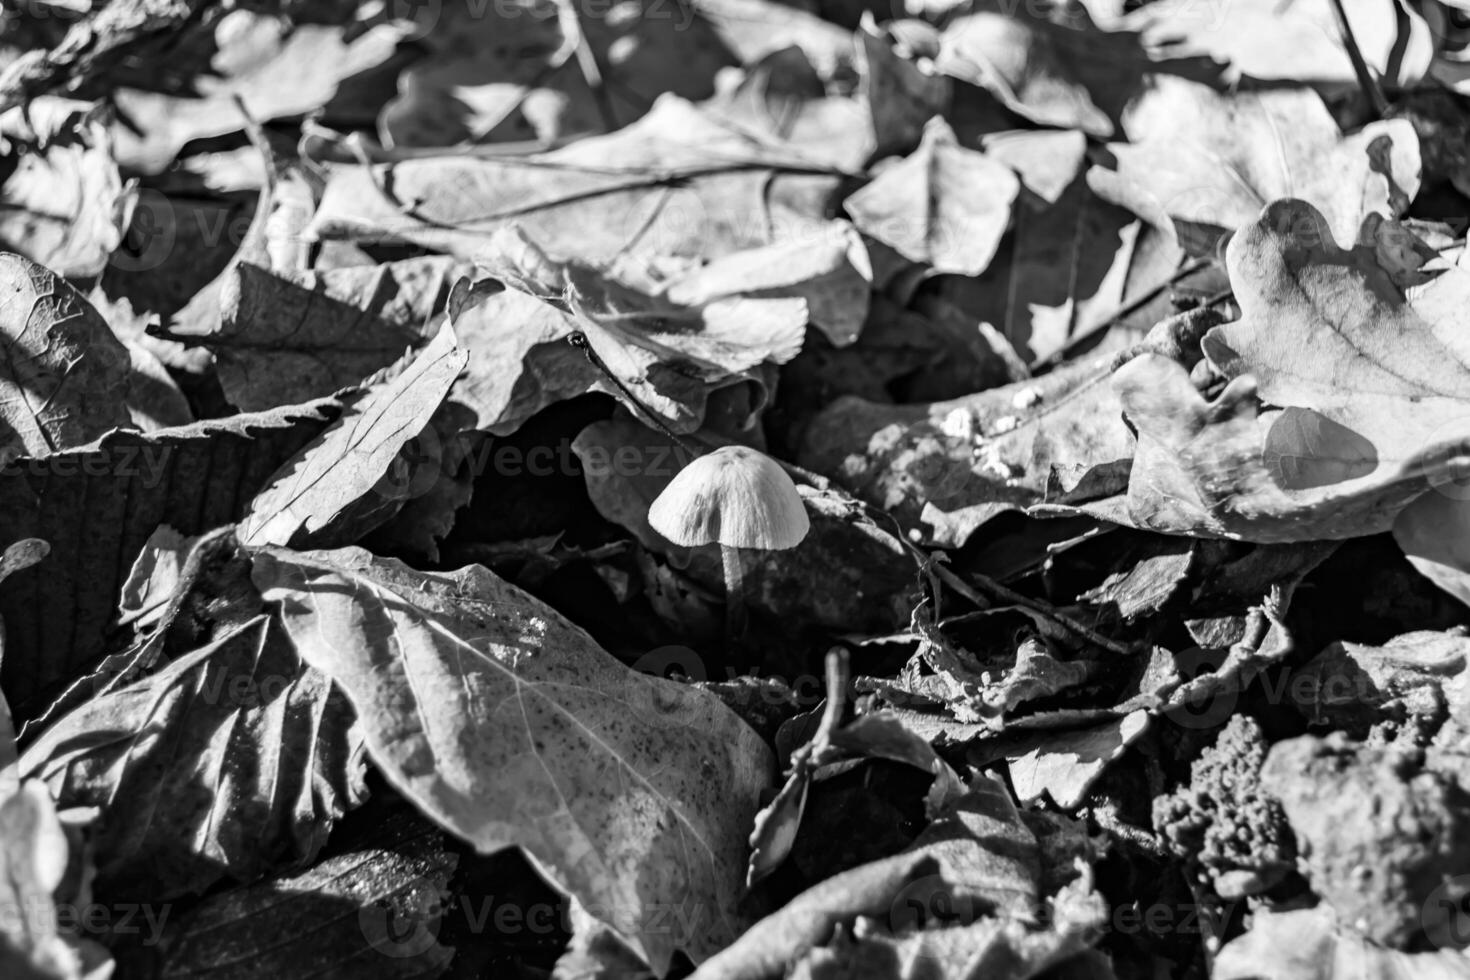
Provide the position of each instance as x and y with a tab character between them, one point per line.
1206	703
1445	915
1448	446
151	235
406	925
416	469
662	701
116	920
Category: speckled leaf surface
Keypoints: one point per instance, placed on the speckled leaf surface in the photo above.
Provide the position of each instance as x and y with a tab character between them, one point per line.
509	726
65	376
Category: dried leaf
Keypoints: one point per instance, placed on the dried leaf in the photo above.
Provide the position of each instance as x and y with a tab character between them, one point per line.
278	68
1374	387
1209	161
671	357
350	457
285	338
98	504
944	206
65	371
231	759
1067	765
33	859
676	183
65	206
518	74
373	911
1299	42
508	725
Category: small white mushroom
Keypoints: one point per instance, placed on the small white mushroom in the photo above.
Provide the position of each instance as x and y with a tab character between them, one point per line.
737	498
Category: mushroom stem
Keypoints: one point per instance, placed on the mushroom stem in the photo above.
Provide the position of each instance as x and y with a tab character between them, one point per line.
734	601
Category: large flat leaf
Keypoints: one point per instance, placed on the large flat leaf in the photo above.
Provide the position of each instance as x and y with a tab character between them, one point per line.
229	760
677	182
510	726
97	505
286	338
945	205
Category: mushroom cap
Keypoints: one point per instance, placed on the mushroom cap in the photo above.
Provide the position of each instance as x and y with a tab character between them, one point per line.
733	496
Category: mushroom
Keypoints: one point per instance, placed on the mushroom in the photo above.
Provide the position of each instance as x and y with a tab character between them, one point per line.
737	498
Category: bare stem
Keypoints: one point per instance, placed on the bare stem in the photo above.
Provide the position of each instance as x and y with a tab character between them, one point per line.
734	601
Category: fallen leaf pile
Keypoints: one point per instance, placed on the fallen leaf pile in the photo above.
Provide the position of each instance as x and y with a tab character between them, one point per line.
1118	354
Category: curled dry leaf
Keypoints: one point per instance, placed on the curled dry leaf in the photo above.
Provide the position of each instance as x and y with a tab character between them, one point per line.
65	373
1206	162
97	505
1300	42
944	206
231	760
517	74
1371	391
278	68
285	338
977	864
34	852
350	458
510	726
65	205
671	356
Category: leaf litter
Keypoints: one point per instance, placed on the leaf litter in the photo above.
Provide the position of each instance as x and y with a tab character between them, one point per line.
1117	353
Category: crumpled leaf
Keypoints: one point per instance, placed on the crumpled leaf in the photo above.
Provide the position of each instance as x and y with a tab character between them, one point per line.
1299	42
1207	162
1048	63
97	505
1057	441
65	205
783	98
998	949
978	863
629	791
516	73
1069	763
677	183
375	910
944	206
277	67
351	457
828	267
230	760
286	337
1373	386
65	371
33	857
671	357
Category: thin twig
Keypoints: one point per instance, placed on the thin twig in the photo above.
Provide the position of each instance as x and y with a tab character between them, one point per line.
1017	599
579	340
1127	309
1366	81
